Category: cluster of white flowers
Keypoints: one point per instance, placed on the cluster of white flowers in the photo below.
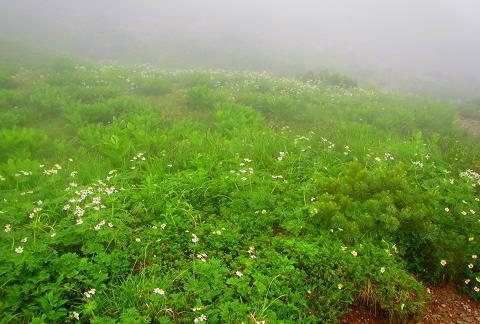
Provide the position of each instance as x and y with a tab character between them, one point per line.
202	257
34	212
388	156
251	252
329	144
90	293
139	156
159	292
53	170
299	138
80	201
23	173
238	274
418	164
218	232
79	211
201	318
285	129
82	194
281	156
7	228
243	171
279	177
391	249
111	175
195	239
99	225
110	190
76	315
470	174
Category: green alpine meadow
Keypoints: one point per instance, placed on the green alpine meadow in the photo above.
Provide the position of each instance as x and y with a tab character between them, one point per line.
133	194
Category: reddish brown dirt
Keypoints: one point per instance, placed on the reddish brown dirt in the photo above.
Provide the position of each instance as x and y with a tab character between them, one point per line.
360	314
446	306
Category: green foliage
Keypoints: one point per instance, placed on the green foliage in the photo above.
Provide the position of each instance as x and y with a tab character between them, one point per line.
6	80
470	109
135	195
21	143
329	78
153	87
200	97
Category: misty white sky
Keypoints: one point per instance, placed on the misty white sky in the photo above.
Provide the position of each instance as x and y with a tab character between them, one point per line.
429	36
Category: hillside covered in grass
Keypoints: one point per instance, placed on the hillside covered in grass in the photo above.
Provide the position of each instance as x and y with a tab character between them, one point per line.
135	194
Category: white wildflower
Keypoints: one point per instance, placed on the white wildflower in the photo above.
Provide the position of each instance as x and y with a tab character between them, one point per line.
90	293
201	318
159	292
195	239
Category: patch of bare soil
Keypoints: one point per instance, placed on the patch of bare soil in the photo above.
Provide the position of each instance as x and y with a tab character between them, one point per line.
471	124
446	306
361	314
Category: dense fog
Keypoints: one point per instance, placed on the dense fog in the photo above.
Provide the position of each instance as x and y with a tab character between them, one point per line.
388	42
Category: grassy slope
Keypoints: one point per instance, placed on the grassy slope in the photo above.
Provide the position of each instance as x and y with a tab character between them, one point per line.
354	209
